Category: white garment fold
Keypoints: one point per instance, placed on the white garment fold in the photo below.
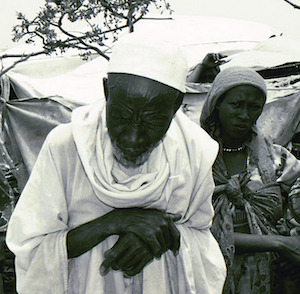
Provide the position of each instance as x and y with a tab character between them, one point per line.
76	179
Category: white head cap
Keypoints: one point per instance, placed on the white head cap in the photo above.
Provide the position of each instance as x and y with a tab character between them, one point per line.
143	56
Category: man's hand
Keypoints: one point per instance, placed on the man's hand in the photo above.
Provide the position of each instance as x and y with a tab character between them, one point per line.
154	227
130	255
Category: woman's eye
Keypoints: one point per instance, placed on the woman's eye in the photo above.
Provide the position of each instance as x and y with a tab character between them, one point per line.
255	107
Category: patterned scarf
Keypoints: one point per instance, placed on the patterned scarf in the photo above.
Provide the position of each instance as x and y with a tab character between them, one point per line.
262	208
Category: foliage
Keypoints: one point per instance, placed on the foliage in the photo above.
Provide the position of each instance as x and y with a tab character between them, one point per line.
100	22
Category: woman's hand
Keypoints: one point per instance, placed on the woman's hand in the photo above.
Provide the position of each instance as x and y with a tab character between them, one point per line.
289	247
282	227
206	71
234	188
294	202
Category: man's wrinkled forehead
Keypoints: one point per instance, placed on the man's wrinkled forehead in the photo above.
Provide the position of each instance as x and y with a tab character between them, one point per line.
125	87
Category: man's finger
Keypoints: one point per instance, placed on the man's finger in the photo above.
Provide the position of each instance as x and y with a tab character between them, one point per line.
133	258
156	243
174	233
175	217
175	245
137	250
163	237
112	255
105	267
135	270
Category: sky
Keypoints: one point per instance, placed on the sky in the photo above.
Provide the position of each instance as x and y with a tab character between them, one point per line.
275	13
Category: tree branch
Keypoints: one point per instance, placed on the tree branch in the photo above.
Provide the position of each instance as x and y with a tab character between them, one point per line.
90	47
22	55
108	7
291	3
46	26
22	59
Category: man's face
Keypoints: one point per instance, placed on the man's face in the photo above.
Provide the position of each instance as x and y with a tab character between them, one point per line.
139	112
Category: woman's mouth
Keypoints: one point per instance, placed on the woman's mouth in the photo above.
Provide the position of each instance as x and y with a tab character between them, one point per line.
241	128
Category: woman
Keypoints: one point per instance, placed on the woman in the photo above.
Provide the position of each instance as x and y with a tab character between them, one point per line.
252	178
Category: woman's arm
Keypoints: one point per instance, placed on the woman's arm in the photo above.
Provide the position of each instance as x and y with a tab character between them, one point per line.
288	246
247	243
206	71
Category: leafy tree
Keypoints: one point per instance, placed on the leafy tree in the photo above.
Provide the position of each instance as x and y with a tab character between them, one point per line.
101	21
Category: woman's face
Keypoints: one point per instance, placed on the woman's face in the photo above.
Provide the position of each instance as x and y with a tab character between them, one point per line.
238	112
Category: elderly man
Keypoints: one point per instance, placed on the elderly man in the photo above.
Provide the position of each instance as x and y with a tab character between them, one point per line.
119	200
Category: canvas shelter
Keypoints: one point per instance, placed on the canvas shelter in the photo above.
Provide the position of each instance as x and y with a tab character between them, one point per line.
42	92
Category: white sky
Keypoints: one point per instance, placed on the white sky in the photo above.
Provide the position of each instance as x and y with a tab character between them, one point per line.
275	13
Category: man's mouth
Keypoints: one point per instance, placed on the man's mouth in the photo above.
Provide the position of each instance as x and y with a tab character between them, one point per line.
130	157
131	152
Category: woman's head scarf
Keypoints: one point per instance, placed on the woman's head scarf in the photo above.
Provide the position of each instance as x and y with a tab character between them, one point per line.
224	81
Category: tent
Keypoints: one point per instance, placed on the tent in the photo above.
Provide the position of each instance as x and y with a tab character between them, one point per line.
48	89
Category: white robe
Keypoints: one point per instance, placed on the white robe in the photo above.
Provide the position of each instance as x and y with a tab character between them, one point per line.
76	180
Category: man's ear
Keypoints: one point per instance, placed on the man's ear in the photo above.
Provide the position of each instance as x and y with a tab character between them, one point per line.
178	101
105	87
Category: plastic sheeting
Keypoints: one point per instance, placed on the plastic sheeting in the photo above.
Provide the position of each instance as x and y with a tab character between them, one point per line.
27	121
26	124
76	80
280	119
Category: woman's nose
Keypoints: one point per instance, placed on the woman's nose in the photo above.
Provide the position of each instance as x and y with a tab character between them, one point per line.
244	113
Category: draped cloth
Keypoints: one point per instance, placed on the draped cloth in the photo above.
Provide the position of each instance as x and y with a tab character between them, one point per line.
76	180
263	207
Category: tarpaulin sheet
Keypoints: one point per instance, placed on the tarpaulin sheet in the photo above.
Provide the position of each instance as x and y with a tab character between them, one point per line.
280	119
26	123
77	80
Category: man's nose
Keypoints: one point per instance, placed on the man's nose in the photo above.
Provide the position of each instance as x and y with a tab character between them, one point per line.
133	137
